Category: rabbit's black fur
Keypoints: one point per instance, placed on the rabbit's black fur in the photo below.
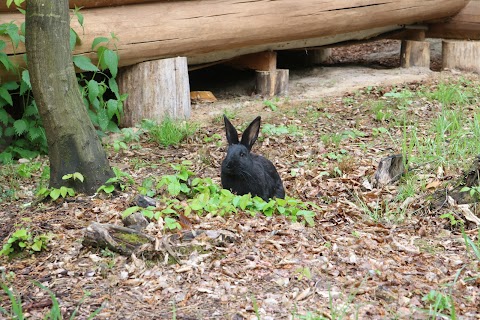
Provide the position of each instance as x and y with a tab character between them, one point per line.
244	172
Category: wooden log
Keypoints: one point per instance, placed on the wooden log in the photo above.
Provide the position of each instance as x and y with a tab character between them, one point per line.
462	55
261	61
470	178
463	26
272	83
415	54
389	170
82	4
213	30
179	246
118	239
156	89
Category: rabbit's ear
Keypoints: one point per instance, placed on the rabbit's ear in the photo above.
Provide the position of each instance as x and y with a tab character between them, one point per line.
232	135
250	134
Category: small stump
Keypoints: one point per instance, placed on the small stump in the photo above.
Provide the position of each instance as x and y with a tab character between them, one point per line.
156	89
390	169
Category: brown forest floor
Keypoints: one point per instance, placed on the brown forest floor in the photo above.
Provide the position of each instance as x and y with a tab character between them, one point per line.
346	266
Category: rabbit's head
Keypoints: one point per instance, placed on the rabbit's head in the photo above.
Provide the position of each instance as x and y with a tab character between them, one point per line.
238	160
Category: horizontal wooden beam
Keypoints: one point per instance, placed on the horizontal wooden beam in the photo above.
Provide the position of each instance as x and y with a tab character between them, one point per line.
83	3
464	26
212	30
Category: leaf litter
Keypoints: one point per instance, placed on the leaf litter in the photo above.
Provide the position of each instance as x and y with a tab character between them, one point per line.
369	256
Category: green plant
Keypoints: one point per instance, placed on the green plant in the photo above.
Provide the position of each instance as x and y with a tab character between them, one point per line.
120	180
270	104
24	135
202	195
16	309
170	132
55	193
127	135
271	129
472	245
22	240
438	303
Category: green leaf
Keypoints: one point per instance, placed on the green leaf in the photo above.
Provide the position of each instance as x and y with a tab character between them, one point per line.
112	108
63	191
84	63
130	211
6	95
79	17
20	126
73	39
93	90
107	189
26	78
111	60
9	3
54	194
37	246
244	201
98	40
112	84
78	176
103	119
67	176
4	116
20	233
174	188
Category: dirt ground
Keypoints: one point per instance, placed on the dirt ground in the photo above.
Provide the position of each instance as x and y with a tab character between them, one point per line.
346	266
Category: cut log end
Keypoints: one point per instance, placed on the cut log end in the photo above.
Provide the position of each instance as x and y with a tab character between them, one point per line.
272	83
462	55
415	54
390	169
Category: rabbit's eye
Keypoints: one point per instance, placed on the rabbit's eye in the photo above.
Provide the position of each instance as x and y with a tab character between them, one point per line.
242	154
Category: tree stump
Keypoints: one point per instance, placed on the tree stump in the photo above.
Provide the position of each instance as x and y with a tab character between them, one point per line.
389	170
470	178
179	245
272	83
156	89
117	239
415	54
462	55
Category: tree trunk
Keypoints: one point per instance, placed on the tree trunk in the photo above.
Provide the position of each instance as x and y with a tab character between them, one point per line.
73	144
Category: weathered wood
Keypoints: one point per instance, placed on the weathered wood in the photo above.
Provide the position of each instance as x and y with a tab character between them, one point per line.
389	170
415	54
261	61
156	89
212	30
462	55
270	83
465	25
117	239
180	245
470	178
83	4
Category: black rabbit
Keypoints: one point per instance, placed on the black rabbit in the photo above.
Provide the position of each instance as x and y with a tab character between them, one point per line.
244	172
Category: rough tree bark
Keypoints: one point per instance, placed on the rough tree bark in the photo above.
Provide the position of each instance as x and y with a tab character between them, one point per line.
73	144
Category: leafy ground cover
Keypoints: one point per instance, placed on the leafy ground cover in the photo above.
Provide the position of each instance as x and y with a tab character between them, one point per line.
372	253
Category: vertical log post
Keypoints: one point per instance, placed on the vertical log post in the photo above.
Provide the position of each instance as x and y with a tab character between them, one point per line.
156	89
415	51
463	55
270	81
